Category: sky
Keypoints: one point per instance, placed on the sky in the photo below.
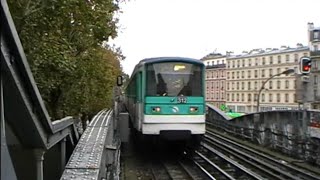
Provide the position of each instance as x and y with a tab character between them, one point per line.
195	28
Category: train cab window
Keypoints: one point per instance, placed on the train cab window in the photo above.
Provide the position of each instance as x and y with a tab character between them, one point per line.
173	79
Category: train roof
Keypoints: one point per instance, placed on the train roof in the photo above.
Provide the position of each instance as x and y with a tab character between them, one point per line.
165	59
168	59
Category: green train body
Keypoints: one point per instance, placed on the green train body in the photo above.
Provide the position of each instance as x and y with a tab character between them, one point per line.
165	96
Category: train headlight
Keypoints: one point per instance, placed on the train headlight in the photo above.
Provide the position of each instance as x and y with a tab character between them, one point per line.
193	109
156	109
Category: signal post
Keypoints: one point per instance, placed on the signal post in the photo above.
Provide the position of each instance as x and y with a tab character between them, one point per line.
304	92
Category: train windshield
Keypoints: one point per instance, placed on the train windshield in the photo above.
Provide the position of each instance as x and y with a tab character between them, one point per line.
174	79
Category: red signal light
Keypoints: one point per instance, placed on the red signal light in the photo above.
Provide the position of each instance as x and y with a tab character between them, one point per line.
306	68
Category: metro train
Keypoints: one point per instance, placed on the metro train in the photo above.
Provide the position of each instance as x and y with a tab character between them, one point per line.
165	99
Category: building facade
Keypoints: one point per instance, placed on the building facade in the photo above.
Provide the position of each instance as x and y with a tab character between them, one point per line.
215	79
246	73
314	46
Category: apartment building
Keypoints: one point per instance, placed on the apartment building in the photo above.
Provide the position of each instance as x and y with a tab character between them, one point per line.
215	78
314	46
246	73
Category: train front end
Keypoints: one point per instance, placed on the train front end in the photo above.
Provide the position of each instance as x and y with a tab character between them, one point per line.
174	105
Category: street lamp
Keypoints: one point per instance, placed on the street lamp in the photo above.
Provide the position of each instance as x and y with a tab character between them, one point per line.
286	72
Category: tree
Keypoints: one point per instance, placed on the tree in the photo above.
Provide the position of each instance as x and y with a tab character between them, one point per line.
63	44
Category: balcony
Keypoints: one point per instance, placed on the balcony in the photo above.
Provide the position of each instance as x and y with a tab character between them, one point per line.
314	53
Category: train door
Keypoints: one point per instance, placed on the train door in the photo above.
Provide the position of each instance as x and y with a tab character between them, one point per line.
139	105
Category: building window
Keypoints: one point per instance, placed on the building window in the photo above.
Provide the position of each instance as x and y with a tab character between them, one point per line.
286	97
242	85
232	97
270	84
278	84
228	74
294	97
255	85
271	59
316	35
242	74
243	63
232	86
278	70
315	80
255	97
316	65
278	97
262	97
296	57
249	97
242	97
285	70
232	75
222	96
287	58
255	73
238	74
270	72
270	97
249	62
222	85
262	73
256	61
249	74
263	61
238	98
237	85
238	63
279	59
249	85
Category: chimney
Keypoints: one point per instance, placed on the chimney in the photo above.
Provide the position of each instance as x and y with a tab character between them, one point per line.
299	45
283	47
310	26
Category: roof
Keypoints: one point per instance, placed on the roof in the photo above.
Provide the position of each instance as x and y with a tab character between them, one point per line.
274	51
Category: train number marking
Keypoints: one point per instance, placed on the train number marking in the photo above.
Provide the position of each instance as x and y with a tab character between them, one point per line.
182	100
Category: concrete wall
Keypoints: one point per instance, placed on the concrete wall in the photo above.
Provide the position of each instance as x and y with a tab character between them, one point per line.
285	131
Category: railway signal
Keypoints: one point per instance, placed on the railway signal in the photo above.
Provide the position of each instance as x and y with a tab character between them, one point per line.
305	65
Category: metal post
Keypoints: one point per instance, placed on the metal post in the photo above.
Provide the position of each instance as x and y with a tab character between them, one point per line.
39	162
304	111
63	154
260	90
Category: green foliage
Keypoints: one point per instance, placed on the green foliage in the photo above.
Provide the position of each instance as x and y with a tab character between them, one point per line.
63	41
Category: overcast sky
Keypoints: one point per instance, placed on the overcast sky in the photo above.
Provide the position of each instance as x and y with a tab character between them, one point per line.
194	28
